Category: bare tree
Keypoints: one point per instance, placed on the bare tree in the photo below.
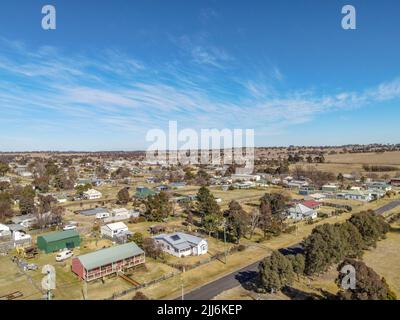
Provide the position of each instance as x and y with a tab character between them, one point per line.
255	221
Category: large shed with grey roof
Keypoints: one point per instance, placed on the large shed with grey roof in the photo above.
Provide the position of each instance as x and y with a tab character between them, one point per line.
108	261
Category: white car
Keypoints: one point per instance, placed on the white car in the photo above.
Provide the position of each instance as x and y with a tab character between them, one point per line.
64	255
69	227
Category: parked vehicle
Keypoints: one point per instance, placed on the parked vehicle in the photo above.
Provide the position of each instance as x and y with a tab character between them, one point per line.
69	227
64	255
102	215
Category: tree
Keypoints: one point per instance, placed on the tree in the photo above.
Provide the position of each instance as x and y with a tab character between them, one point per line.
254	220
369	285
371	227
202	178
140	296
137	238
4	168
81	189
4	185
352	241
123	196
275	272
6	210
27	200
211	222
152	248
206	203
189	175
41	183
51	168
238	221
121	173
271	208
298	263
57	214
101	172
323	248
209	210
158	207
44	211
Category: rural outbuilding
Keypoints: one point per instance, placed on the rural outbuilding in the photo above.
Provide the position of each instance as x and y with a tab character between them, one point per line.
57	241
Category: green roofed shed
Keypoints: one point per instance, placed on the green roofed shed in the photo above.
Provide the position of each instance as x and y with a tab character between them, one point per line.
57	241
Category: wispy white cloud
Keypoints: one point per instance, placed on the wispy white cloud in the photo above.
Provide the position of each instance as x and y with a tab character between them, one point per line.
50	88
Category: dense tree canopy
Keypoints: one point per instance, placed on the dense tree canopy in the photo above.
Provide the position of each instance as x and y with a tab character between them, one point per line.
158	207
238	221
371	227
369	285
123	196
275	272
330	244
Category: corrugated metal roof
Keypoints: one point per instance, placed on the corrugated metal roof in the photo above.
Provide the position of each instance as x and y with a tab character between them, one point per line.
107	256
57	236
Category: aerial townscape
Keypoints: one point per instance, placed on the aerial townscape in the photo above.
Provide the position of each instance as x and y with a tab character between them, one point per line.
199	159
115	226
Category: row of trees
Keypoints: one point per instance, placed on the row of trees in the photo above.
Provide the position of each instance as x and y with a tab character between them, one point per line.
329	245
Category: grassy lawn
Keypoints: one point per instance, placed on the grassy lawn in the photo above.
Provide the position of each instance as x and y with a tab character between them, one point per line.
385	259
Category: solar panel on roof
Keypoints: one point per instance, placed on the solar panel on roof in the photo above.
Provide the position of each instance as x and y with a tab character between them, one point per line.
175	237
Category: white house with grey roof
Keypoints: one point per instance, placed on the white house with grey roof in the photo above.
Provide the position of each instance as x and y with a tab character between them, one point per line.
181	244
301	212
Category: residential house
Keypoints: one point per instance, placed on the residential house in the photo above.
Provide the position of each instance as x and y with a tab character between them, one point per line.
359	195
27	221
312	204
245	177
21	238
92	194
244	185
301	212
332	188
181	244
112	230
5	231
379	186
317	196
143	193
100	213
177	185
297	184
395	182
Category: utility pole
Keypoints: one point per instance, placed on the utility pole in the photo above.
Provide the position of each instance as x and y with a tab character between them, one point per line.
182	285
225	240
85	295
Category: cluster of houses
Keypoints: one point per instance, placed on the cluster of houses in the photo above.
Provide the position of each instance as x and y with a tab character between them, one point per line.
113	215
14	235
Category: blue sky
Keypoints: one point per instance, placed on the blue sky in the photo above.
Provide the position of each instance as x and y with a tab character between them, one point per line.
115	69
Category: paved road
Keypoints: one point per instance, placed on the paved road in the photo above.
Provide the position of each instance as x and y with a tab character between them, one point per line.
388	207
234	279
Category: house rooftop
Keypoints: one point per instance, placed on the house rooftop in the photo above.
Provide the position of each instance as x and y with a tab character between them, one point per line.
107	256
179	240
116	226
